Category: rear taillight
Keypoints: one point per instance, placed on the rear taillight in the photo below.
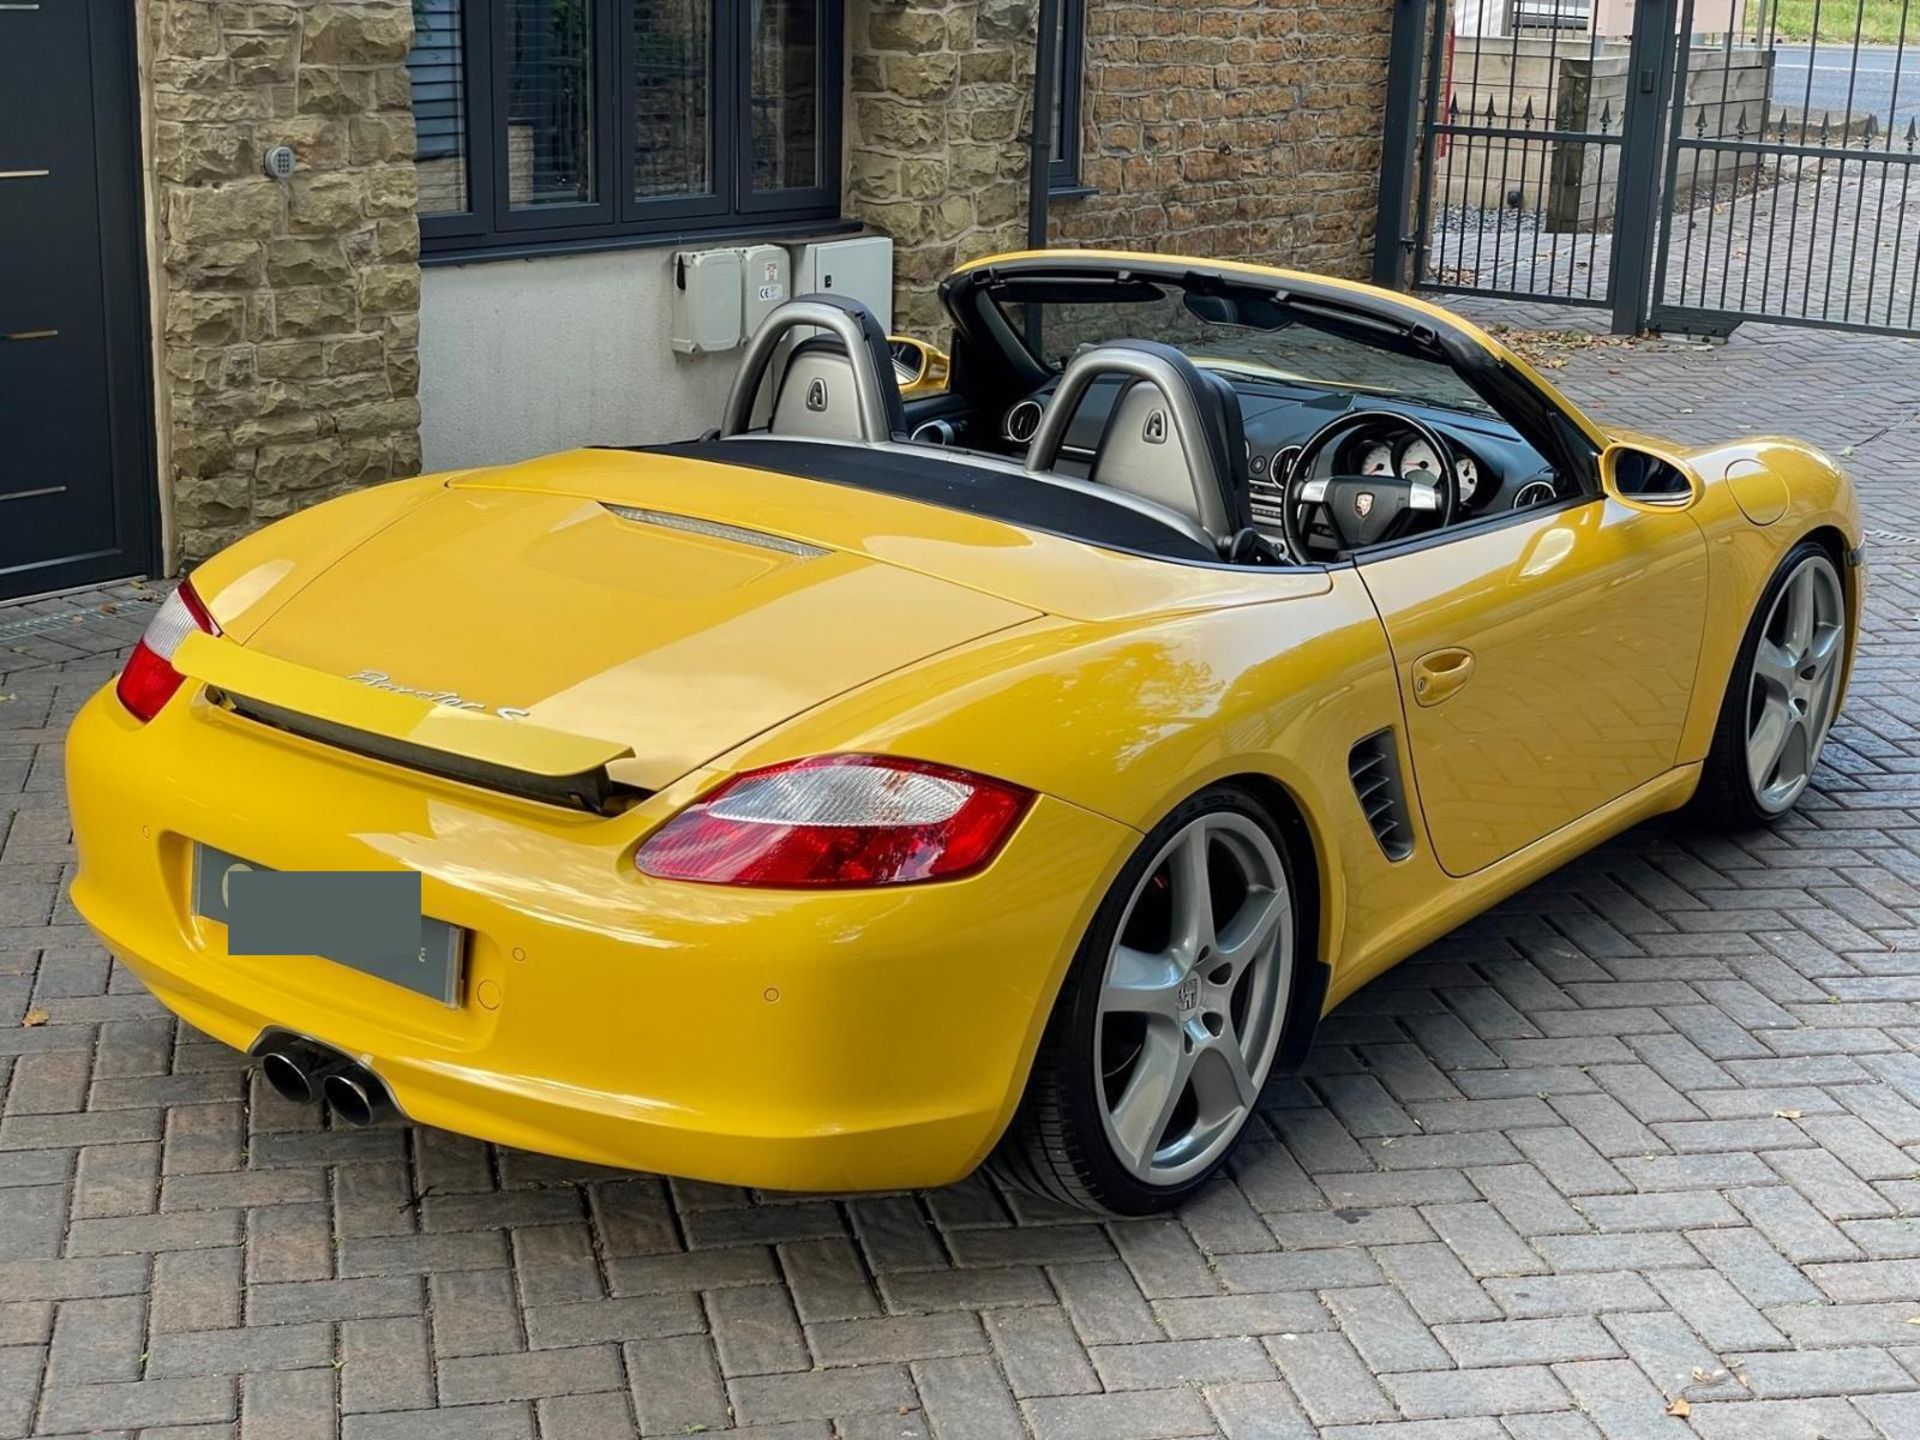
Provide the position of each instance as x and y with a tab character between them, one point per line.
838	821
149	680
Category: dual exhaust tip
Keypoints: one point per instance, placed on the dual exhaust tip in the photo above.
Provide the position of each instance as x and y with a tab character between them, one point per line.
308	1074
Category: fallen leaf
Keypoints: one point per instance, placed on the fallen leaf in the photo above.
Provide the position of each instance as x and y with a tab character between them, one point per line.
1913	1320
35	1017
1788	1114
1680	1409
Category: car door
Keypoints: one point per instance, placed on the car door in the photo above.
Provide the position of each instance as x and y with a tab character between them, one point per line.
1546	662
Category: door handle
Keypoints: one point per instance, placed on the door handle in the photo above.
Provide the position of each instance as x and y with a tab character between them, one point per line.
1439	674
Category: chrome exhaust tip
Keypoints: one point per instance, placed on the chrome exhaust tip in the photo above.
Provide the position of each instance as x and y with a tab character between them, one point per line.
356	1096
296	1074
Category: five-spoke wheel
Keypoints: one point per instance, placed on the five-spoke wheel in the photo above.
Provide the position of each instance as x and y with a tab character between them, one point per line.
1156	1054
1796	683
1783	696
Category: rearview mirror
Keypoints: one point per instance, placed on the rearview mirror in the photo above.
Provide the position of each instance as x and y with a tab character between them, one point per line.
920	368
1643	480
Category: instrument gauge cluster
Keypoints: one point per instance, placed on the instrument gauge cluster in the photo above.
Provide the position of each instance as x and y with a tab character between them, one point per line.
1467	472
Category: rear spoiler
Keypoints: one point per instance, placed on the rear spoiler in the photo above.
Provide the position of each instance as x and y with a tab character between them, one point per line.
513	757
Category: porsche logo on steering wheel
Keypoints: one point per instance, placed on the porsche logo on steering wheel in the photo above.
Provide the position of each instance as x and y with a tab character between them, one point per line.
1363	504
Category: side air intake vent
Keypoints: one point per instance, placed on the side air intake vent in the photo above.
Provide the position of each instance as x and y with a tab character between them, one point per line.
1374	767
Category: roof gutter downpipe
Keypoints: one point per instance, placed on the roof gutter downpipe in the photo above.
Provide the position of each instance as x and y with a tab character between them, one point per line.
1046	58
1040	142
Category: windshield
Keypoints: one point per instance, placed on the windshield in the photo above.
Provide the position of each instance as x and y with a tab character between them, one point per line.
1242	333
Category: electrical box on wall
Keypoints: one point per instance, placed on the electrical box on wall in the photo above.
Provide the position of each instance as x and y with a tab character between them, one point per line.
860	267
706	301
769	283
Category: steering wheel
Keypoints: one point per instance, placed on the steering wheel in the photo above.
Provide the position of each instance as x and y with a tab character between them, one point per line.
1364	510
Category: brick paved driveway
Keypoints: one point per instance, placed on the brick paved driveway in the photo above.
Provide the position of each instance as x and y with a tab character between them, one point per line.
1650	1133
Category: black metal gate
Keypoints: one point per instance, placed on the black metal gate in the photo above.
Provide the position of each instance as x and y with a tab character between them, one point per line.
1720	161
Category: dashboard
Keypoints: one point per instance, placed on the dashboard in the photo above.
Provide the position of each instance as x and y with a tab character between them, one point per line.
1494	467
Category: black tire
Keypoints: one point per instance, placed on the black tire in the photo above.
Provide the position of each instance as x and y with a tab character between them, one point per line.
1726	798
1057	1145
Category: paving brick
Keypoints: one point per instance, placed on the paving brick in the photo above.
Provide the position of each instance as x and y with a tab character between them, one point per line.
676	1386
1205	1317
641	1317
822	1394
1041	1354
140	1404
1258	1410
1161	1365
98	1340
1379	1323
464	1422
1891	1416
240	1351
892	1338
828	1280
1859	1371
480	1379
294	1405
966	1399
1146	1414
1620	1401
1538	1297
281	1304
474	1312
1442	1394
1435	1283
384	1365
196	1290
1526	1342
1104	1304
1333	1383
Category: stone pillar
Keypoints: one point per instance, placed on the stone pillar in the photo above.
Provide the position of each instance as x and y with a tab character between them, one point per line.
937	101
289	366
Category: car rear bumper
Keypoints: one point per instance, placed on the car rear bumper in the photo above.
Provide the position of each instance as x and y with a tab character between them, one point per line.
788	1040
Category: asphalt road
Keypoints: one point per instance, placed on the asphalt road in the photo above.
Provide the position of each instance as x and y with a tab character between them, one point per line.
1885	81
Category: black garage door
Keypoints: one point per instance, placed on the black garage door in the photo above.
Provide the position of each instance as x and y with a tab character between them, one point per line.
76	478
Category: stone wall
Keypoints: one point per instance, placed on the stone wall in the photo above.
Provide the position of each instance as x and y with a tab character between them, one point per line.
1215	127
936	107
1233	129
290	310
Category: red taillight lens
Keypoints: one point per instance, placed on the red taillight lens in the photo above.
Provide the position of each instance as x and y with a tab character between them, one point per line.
838	821
150	680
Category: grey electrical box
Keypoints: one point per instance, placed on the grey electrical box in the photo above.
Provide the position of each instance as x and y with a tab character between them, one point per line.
768	285
706	301
860	267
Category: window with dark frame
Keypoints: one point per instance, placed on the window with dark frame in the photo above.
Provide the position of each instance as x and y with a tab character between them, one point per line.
571	122
1069	68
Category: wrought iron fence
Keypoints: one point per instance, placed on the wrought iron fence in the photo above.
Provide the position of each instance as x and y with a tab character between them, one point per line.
1809	214
1712	167
1520	154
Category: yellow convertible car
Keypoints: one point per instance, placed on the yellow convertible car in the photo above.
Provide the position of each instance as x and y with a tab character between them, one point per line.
874	788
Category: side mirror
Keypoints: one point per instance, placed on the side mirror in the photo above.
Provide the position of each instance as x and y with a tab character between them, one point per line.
1642	480
921	368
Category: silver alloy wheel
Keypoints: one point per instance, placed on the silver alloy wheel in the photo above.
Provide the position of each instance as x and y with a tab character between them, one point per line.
1795	686
1193	998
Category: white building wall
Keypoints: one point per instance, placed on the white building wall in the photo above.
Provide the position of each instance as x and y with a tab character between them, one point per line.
524	357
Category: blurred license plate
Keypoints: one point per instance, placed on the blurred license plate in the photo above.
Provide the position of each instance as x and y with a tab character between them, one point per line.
348	918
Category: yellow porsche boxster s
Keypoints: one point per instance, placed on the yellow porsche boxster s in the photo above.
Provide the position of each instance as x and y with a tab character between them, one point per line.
873	788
